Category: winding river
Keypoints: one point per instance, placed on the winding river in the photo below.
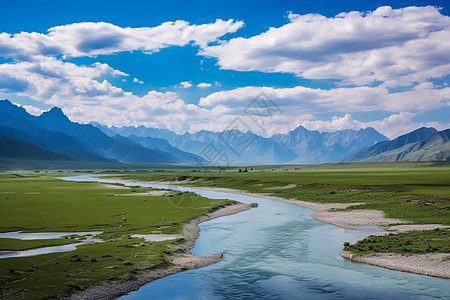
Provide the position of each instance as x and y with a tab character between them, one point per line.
278	251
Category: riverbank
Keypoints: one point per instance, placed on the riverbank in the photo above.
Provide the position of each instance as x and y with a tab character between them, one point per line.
430	264
325	212
434	264
179	259
346	219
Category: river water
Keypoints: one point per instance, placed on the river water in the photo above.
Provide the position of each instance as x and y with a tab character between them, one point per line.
45	236
278	251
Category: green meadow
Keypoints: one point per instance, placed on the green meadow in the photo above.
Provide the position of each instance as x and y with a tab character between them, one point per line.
34	202
430	241
407	191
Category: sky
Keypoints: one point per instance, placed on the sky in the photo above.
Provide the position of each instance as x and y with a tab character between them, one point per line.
193	65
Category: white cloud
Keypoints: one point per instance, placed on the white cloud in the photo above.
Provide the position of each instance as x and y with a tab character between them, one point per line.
204	85
309	100
155	109
31	109
185	84
394	46
86	99
90	39
38	71
299	105
391	126
53	81
166	110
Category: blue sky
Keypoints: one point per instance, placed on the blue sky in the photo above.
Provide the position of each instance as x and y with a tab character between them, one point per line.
192	65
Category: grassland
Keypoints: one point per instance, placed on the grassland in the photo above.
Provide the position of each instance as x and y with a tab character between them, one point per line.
419	193
40	203
419	242
37	202
407	191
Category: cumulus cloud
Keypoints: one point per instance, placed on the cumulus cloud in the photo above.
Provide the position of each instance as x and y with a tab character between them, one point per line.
309	100
393	46
204	85
185	84
154	109
90	39
51	80
39	70
392	126
31	109
166	110
397	47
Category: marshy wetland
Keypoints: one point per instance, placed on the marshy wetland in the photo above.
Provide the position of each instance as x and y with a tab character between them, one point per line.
272	245
41	203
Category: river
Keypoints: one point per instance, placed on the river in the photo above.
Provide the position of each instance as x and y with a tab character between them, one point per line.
278	251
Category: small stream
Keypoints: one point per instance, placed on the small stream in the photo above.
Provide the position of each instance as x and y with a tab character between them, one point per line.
278	251
45	236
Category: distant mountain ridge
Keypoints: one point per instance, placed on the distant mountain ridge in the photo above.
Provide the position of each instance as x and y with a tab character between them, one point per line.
15	149
316	147
55	133
297	146
53	137
213	146
423	144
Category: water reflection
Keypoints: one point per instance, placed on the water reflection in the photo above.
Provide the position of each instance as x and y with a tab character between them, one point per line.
42	235
47	250
45	236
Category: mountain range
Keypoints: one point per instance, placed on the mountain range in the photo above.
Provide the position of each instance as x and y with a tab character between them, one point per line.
53	137
423	144
297	146
53	133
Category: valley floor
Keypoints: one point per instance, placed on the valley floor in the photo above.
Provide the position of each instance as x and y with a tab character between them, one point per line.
404	201
122	261
411	202
180	259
